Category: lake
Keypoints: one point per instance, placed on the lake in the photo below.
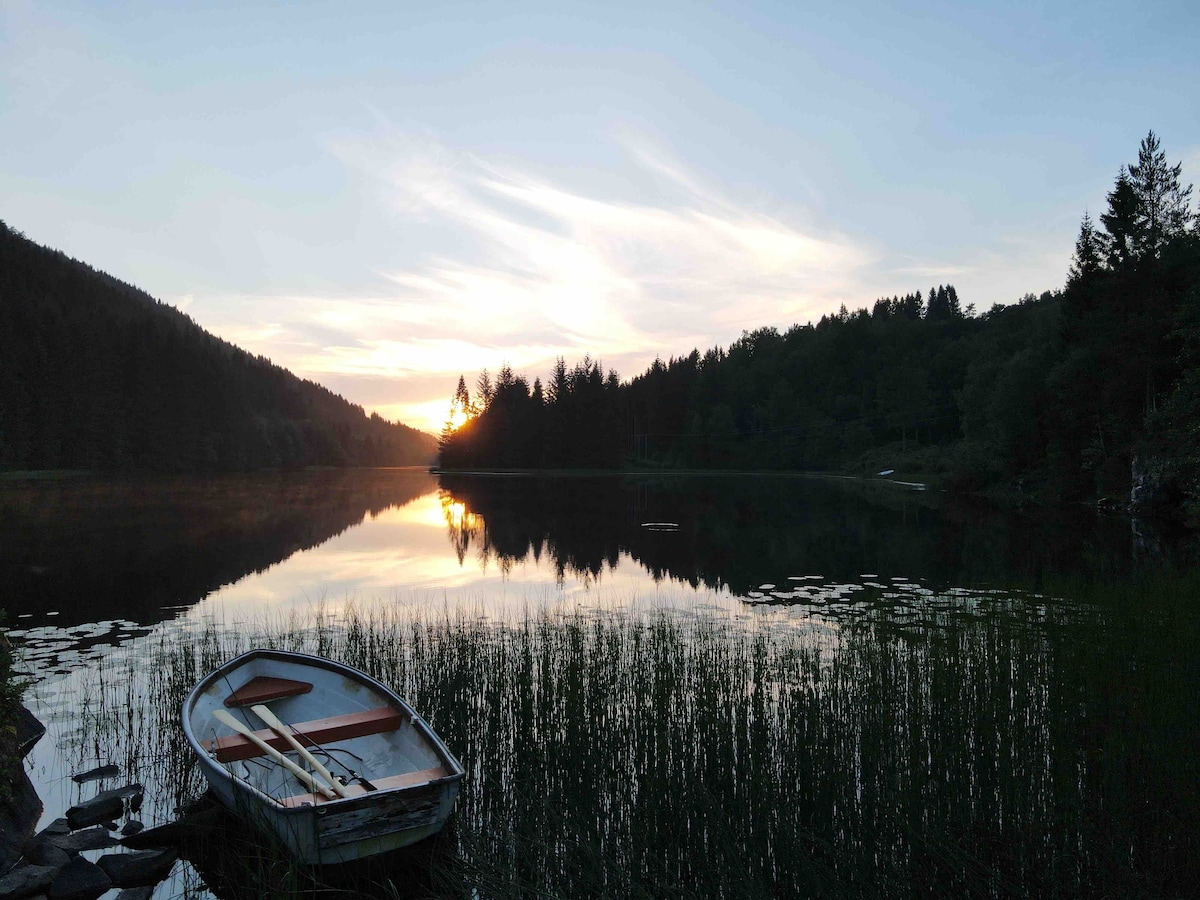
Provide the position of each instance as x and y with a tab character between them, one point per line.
832	677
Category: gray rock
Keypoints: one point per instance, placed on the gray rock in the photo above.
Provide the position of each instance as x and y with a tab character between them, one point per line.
193	827
104	806
79	880
133	826
29	730
94	811
19	815
44	853
107	771
89	839
25	881
138	866
136	893
58	826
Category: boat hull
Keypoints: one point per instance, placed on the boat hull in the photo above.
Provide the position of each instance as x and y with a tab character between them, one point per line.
321	832
346	831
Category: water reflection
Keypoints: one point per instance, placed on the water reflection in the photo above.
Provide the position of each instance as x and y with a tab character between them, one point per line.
81	550
927	715
736	533
86	551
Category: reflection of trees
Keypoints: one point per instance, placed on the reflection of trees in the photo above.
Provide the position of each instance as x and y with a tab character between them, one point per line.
738	532
118	548
462	526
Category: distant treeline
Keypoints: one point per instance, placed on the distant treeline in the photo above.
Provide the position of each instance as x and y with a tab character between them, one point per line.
96	374
1070	395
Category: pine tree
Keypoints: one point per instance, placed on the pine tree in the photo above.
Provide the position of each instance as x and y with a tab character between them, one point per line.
559	385
1121	223
1087	261
462	397
953	305
1162	202
483	391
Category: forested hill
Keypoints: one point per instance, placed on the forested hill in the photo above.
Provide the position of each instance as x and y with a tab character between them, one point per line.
1088	394
96	374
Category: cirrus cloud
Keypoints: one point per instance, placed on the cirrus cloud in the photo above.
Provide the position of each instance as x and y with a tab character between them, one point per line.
519	269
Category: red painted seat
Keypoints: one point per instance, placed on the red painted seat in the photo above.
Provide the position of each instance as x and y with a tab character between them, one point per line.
318	731
264	689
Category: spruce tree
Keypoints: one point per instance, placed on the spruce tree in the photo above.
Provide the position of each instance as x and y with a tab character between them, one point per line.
483	391
1121	223
1087	261
1162	202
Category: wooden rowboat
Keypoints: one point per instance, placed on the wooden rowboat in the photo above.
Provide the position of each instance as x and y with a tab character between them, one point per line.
329	760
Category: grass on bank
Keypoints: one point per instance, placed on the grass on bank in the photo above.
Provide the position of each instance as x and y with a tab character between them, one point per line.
1010	754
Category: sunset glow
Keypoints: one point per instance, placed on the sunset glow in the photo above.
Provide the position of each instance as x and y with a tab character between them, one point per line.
450	190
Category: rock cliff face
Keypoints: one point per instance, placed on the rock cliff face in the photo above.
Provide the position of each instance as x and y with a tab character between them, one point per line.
20	806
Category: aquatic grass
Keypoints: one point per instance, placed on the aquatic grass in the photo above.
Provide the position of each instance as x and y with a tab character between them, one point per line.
983	750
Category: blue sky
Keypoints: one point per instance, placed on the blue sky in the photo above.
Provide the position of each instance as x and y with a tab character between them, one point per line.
381	196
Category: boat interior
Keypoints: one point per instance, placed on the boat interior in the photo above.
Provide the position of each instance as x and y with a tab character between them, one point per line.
361	736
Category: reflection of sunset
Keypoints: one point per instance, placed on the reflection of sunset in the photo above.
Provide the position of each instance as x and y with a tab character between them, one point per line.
401	556
457	515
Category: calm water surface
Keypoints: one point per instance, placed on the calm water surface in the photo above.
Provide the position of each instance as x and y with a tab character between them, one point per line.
93	570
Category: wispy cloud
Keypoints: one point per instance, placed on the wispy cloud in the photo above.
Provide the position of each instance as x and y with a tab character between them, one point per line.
532	269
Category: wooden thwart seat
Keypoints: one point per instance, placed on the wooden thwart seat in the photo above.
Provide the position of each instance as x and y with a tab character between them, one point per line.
264	689
318	731
407	779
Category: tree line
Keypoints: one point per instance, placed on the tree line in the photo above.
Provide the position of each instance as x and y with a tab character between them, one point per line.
1078	394
98	375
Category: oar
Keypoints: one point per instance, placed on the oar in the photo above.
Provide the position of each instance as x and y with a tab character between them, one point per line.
305	778
286	733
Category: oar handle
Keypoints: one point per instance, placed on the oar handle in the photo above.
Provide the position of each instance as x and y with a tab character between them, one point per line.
305	778
289	735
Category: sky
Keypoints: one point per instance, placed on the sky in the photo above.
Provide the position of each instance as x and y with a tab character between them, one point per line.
384	196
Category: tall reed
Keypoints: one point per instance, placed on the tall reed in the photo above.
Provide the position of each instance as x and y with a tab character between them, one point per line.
983	754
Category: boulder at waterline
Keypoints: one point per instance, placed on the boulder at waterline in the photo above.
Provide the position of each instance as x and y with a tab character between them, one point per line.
137	867
104	806
89	839
106	771
79	880
26	880
58	826
192	827
45	853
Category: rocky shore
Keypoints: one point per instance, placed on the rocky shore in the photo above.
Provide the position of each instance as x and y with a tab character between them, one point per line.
51	865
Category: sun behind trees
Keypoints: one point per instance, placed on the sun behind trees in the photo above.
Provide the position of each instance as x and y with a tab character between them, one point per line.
1078	394
570	424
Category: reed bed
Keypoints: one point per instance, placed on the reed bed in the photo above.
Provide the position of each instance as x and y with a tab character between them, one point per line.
666	755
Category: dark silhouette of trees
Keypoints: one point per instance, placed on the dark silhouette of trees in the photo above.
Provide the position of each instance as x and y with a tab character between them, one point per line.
1089	258
1161	213
95	374
1052	397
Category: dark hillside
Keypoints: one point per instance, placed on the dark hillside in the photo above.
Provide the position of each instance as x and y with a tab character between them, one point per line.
96	374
